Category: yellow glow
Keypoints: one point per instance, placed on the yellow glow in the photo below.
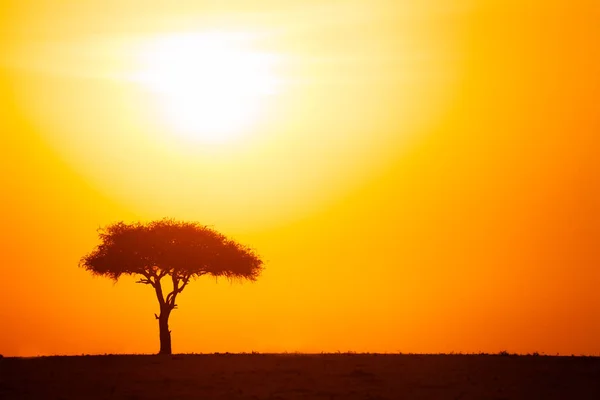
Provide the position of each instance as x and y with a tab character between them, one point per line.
425	177
209	87
240	130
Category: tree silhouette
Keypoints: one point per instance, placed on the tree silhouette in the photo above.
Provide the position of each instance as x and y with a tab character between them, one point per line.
175	250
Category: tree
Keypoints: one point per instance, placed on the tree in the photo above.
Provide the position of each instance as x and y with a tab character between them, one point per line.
169	249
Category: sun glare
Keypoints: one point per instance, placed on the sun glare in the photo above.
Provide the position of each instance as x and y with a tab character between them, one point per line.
210	87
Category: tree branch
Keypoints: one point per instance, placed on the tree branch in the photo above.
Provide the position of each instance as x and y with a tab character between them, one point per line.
176	288
185	281
171	296
162	274
159	294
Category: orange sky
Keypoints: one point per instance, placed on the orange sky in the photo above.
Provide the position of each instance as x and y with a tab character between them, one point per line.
426	180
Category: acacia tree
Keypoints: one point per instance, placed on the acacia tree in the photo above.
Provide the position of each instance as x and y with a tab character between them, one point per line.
168	249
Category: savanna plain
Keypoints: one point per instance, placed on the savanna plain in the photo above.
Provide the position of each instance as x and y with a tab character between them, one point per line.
301	376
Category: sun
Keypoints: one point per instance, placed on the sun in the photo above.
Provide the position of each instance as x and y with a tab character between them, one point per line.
210	87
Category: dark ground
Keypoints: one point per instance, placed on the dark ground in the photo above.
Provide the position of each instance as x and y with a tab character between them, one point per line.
328	376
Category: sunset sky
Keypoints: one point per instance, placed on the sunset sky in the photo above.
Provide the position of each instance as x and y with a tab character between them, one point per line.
419	176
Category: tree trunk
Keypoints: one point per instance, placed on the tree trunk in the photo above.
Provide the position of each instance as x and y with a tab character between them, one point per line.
165	333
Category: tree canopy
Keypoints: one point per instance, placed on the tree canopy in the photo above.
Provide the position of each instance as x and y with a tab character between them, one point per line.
167	247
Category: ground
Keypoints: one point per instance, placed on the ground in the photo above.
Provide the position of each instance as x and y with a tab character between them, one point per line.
297	376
